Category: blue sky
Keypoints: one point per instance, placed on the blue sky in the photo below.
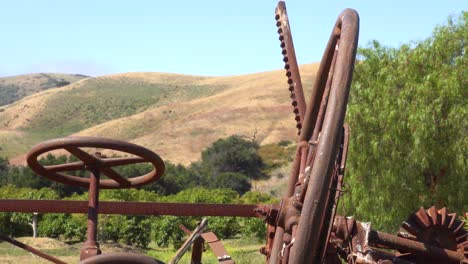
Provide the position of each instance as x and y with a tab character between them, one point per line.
192	37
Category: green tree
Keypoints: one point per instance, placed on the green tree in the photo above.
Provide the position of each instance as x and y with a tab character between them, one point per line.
7	220
175	179
234	181
4	167
32	218
233	154
408	115
166	231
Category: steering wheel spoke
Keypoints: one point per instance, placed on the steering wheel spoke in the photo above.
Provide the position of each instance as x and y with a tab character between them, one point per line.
73	166
109	172
82	155
112	162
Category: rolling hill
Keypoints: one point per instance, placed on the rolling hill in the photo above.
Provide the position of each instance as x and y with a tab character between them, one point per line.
16	87
175	115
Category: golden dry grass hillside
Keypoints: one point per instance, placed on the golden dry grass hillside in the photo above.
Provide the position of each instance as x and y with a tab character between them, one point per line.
177	116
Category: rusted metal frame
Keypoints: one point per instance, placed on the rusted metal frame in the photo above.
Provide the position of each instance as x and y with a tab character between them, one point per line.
275	246
299	156
310	155
270	235
90	247
322	110
30	249
135	208
310	119
305	249
339	182
291	65
318	88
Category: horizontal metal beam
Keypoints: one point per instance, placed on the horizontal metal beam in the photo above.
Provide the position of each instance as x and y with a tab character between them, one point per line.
135	208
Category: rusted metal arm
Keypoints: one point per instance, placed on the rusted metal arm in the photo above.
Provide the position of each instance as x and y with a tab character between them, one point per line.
30	249
136	208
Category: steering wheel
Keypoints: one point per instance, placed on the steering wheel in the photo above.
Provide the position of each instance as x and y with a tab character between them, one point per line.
95	162
120	258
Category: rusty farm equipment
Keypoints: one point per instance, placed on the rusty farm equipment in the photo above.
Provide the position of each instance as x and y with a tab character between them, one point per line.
304	227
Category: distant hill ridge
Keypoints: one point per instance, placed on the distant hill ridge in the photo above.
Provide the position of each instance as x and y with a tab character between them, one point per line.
175	115
16	87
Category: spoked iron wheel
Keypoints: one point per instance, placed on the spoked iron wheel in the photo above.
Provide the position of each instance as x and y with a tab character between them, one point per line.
97	164
301	229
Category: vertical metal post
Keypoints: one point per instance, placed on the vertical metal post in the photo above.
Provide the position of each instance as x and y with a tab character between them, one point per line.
197	251
91	247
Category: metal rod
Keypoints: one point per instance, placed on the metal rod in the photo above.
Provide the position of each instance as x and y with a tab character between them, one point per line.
90	246
197	251
30	249
133	208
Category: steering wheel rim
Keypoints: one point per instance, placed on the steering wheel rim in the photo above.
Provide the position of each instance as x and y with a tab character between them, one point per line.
120	258
94	162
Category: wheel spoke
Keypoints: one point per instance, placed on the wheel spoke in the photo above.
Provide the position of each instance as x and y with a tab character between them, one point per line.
82	155
115	176
66	167
111	162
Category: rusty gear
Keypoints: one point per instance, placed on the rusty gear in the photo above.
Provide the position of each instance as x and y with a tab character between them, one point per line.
436	228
